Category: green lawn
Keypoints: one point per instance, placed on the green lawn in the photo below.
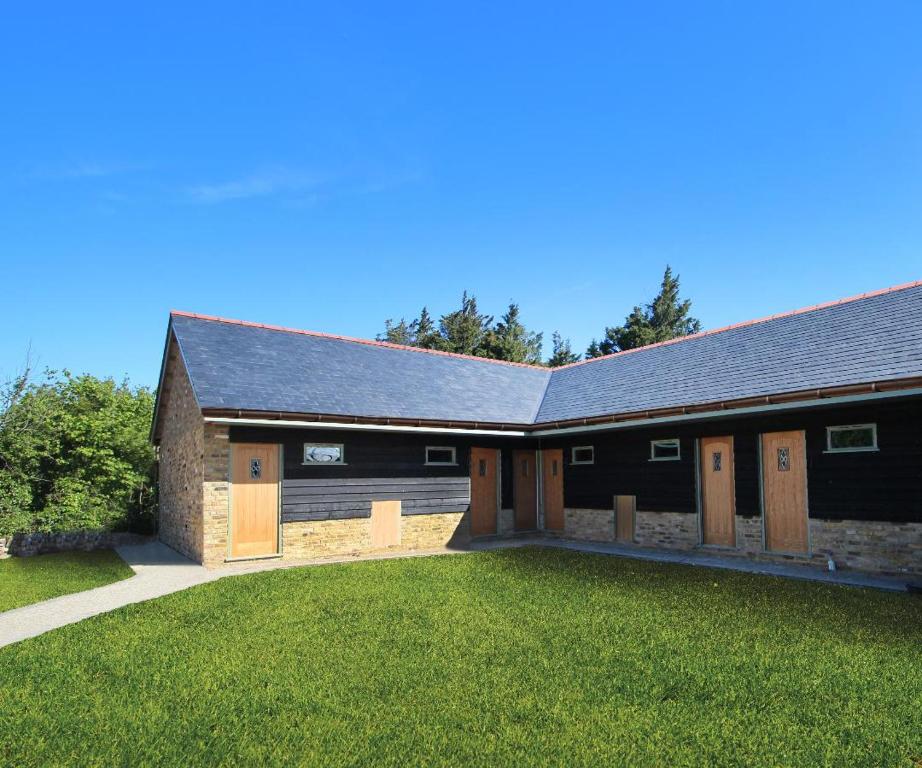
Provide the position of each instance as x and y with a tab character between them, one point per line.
523	656
25	580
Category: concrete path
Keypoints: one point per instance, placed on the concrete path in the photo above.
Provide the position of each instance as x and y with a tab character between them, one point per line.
708	560
160	570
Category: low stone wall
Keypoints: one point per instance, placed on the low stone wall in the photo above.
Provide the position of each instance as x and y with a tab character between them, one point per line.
865	545
749	535
27	544
506	522
589	524
332	538
666	530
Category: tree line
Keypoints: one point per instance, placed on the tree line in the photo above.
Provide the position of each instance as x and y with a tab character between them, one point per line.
75	455
468	331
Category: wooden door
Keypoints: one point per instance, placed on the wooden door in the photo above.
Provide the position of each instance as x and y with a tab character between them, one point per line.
385	524
254	528
625	506
525	489
784	491
484	489
718	493
552	484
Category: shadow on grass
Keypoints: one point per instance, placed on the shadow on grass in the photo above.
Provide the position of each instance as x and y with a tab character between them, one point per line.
839	608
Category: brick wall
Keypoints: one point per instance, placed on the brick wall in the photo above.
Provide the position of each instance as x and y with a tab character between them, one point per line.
666	530
865	545
589	524
330	538
181	472
749	534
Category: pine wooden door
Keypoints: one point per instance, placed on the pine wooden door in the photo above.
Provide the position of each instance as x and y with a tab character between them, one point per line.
254	528
784	491
718	494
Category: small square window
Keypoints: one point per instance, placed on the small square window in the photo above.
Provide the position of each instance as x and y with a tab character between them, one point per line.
324	453
851	438
665	450
440	456
582	454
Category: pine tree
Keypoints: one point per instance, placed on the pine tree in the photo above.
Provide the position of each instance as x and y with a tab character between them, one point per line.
666	317
562	353
398	333
464	331
511	341
427	335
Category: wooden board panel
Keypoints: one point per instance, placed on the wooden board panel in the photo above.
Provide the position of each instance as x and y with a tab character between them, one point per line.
327	499
525	492
718	495
784	491
254	528
484	490
385	524
625	506
552	485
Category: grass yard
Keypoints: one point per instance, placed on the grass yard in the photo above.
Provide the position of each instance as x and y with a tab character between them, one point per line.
26	580
523	656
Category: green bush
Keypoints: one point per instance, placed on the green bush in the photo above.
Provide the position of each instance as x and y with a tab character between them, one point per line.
74	455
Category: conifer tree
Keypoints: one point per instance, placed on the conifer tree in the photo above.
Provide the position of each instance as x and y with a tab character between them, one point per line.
464	331
511	341
562	353
666	317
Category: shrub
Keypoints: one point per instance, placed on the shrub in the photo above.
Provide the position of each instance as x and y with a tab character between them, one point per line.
74	455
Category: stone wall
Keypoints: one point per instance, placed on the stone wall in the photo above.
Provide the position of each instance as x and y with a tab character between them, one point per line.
749	534
337	538
506	522
893	548
666	530
215	493
181	473
27	544
589	524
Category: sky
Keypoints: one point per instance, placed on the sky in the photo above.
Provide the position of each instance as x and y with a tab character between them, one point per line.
329	165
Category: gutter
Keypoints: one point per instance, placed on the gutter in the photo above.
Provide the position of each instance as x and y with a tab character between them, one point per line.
750	406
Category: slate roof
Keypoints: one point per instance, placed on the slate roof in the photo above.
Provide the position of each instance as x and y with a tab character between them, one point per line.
871	339
247	367
233	365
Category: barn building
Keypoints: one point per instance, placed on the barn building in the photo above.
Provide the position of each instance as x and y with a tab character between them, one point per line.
797	437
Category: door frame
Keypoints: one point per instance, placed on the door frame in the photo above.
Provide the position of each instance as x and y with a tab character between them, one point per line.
765	550
699	490
230	507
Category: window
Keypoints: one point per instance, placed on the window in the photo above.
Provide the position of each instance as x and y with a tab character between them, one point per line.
324	453
851	437
437	455
665	450
582	454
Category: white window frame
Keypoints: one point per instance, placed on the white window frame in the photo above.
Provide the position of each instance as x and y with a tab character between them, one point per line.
846	427
575	448
340	463
454	456
677	442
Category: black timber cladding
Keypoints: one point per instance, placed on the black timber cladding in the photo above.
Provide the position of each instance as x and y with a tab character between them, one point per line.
379	466
324	499
882	485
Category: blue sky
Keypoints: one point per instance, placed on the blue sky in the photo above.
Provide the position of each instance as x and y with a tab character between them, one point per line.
328	165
